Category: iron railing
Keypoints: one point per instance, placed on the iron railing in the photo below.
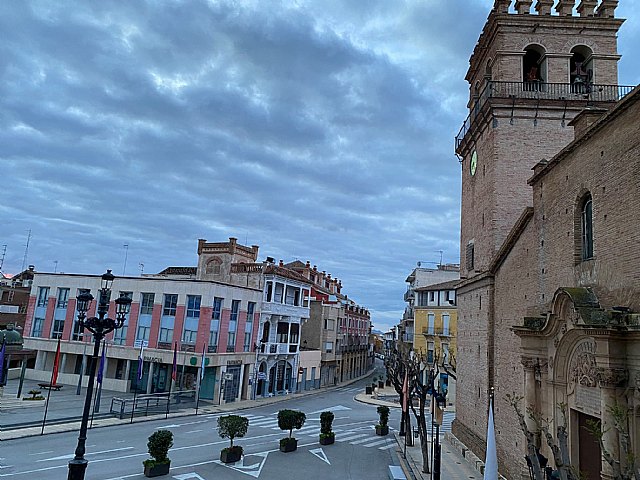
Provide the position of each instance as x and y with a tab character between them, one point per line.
542	91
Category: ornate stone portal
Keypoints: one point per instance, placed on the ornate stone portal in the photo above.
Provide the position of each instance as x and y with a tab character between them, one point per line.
591	352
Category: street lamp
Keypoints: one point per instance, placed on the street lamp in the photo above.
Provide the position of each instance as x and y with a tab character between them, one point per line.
99	326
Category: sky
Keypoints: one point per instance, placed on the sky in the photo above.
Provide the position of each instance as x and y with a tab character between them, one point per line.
318	130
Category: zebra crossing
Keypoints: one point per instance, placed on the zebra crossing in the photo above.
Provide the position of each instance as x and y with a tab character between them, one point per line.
363	436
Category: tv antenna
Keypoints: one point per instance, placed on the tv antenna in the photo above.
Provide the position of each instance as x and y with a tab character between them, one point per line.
141	266
4	252
26	251
126	253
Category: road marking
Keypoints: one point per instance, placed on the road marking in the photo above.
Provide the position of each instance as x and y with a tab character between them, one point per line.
253	470
318	452
362	440
175	425
194	431
378	442
337	408
39	453
71	455
387	447
347	438
187	476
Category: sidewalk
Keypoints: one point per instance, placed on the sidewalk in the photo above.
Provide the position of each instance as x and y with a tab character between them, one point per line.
22	418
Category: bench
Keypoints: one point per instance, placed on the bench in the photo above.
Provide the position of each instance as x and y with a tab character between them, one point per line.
396	473
49	386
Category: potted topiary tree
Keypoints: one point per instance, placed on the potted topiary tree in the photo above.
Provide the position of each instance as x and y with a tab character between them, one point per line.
232	426
288	420
327	437
159	444
382	428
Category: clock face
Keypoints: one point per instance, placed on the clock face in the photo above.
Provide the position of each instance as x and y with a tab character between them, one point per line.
474	163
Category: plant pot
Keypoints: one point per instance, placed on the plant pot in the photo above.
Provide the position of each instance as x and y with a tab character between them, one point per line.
388	383
382	430
157	469
231	455
328	440
380	384
368	390
288	445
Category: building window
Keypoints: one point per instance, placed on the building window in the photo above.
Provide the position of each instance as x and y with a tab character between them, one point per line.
432	296
269	292
431	323
36	330
43	296
329	324
430	347
193	306
233	325
166	335
217	308
328	347
143	333
295	329
146	303
216	313
170	304
214	267
445	354
279	293
63	298
189	336
58	326
470	256
292	296
445	324
282	332
120	334
586	225
248	327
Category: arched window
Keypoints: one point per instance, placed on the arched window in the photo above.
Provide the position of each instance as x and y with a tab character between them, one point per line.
213	267
534	68
586	227
581	69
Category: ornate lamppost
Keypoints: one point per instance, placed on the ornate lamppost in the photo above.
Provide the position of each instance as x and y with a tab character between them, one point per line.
99	326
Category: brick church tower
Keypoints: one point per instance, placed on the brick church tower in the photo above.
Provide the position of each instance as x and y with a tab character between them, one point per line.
532	70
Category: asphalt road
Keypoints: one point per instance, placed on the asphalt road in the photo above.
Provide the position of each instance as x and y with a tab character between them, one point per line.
117	452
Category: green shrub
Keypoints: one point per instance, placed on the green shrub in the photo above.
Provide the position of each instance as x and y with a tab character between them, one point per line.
383	412
290	419
326	420
232	426
159	444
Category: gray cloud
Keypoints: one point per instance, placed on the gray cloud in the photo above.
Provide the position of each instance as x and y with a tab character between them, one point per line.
318	130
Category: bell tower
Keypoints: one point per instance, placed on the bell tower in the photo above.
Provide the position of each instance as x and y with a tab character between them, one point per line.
530	73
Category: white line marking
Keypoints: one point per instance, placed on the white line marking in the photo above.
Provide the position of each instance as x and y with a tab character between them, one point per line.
194	431
391	445
362	440
378	442
347	438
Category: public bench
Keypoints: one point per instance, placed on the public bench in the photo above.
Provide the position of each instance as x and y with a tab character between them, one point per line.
49	386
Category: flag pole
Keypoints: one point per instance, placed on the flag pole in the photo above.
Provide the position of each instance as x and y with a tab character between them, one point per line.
172	377
139	376
96	398
200	377
491	458
54	378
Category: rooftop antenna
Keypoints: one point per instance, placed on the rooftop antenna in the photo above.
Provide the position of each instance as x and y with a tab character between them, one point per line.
126	253
26	251
55	266
440	256
141	266
4	252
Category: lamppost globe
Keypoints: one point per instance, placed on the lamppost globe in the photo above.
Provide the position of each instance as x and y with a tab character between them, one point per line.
99	326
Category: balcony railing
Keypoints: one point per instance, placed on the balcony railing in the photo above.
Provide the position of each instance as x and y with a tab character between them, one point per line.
445	332
542	91
409	295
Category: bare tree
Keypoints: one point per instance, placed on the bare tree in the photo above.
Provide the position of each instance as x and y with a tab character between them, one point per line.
559	448
621	470
421	384
396	366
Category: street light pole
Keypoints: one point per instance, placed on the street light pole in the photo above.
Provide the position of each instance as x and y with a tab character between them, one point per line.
99	326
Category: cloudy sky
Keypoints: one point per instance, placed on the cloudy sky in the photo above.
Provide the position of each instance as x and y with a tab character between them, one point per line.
319	130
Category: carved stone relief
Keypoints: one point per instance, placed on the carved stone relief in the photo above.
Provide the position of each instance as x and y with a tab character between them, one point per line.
582	368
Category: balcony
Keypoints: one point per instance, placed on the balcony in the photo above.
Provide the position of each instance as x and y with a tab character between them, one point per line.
432	332
409	295
539	92
279	348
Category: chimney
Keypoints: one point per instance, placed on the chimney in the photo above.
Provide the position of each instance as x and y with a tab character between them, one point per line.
583	120
281	263
607	8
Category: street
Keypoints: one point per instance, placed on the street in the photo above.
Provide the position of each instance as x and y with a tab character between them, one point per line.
118	452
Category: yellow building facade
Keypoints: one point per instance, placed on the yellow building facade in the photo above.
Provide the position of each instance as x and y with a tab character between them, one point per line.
436	320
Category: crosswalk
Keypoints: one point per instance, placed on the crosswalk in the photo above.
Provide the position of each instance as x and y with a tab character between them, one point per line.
364	436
